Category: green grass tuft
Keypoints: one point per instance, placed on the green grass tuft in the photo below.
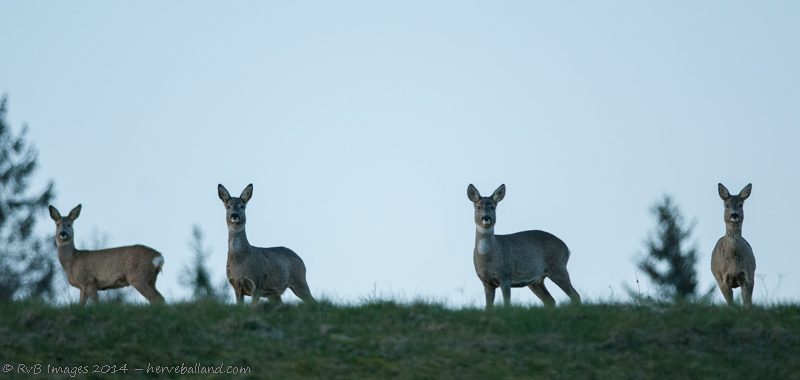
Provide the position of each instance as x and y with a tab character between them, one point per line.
417	340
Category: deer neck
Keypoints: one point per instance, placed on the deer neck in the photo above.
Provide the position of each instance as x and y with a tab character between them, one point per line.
484	239
237	240
66	250
733	231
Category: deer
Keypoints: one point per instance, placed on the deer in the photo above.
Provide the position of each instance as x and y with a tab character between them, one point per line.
516	260
104	269
254	271
732	262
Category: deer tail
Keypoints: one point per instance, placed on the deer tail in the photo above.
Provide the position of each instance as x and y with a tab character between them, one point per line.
158	262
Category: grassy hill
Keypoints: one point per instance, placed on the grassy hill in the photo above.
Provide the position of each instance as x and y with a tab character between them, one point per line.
379	340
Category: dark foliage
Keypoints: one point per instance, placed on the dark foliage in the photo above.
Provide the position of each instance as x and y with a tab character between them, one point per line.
196	276
679	279
27	261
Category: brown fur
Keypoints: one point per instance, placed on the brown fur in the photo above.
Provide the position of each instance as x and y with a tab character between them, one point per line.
105	269
254	271
516	260
732	262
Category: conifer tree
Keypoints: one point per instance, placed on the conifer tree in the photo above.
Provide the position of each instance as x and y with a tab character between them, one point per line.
196	275
27	261
666	245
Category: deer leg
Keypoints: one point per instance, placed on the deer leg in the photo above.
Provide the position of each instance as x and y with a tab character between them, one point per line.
157	297
84	297
239	295
302	292
505	287
91	290
747	293
256	294
489	290
148	290
275	300
237	290
542	293
727	292
562	280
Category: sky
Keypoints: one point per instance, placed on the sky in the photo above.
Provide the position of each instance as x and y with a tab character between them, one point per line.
361	124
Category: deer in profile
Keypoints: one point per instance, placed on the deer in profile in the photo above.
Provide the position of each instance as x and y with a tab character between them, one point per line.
732	261
516	260
254	271
104	269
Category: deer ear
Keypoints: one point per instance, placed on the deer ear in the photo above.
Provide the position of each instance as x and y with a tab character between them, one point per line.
473	193
745	193
223	193
723	192
54	213
75	213
247	193
499	194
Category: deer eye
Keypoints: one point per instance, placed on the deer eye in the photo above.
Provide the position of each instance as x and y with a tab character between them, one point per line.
740	205
228	207
477	207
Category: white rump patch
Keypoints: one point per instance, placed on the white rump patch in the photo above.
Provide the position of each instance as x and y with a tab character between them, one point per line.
158	261
483	246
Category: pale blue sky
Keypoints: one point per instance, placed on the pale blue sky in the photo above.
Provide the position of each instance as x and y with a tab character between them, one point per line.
361	124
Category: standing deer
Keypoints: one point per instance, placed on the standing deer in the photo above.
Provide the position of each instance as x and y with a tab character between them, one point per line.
516	260
732	261
105	269
254	271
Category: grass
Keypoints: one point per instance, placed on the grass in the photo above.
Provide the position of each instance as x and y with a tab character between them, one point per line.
380	340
